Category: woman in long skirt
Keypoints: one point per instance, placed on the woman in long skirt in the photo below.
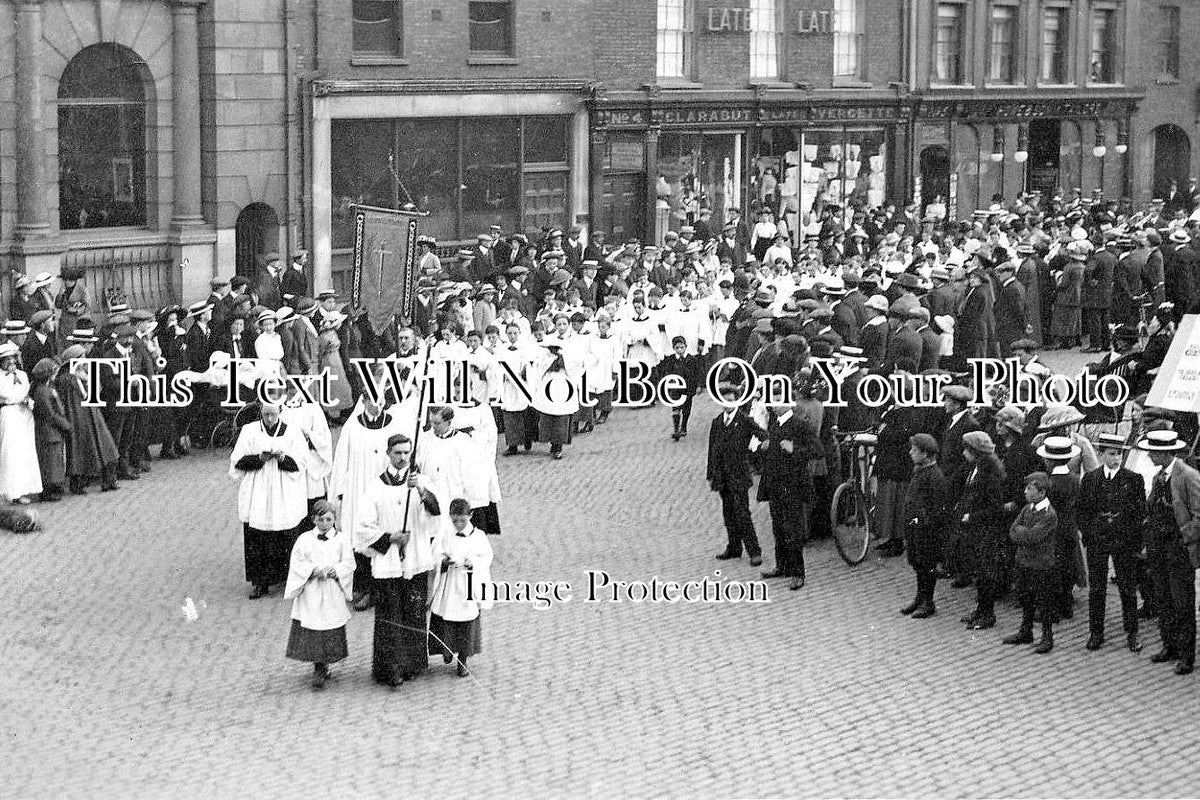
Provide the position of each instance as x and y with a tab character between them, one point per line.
19	473
320	583
331	363
455	630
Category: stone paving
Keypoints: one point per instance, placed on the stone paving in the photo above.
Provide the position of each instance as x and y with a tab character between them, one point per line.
108	690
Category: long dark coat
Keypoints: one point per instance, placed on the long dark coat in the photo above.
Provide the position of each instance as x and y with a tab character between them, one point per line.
985	531
786	474
91	447
51	432
925	505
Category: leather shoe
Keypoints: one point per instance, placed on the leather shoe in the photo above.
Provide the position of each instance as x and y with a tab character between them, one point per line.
1020	637
926	611
961	582
1184	669
259	590
726	555
1044	646
557	456
968	619
756	561
1162	657
127	476
512	451
362	602
1134	643
797	583
773	573
911	607
983	623
1095	642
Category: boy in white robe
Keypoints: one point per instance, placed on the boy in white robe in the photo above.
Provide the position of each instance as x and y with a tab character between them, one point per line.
455	631
320	583
514	355
312	423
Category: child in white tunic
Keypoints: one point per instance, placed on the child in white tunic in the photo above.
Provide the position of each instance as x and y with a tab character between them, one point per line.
455	631
320	584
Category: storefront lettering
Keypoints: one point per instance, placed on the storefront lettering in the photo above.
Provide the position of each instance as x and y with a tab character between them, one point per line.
700	116
815	21
610	117
833	113
728	20
1021	110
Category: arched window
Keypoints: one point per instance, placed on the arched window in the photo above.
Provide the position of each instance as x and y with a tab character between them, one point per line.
102	140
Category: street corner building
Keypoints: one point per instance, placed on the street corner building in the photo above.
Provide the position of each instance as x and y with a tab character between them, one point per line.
155	144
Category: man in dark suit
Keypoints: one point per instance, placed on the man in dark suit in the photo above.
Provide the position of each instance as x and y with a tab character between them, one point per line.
1111	510
874	334
482	266
1172	538
270	283
729	476
1096	297
1179	264
904	345
728	247
308	343
515	291
595	247
574	249
1010	308
931	342
294	280
118	417
787	488
586	284
957	422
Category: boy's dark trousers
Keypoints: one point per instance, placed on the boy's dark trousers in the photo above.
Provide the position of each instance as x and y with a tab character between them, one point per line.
1035	587
739	526
681	415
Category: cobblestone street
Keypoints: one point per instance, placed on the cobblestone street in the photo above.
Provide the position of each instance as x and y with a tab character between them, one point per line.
108	690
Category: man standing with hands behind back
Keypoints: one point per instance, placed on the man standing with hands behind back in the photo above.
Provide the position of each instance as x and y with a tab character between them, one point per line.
729	476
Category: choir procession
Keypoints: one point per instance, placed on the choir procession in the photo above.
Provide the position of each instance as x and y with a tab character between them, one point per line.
370	496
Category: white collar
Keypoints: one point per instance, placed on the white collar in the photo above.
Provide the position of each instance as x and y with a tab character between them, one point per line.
1110	473
1042	504
784	417
1061	469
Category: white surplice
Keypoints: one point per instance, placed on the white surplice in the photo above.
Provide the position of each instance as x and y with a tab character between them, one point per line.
382	510
270	499
450	599
360	457
310	419
318	603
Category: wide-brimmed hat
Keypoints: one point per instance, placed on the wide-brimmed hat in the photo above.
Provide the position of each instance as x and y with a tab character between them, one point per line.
1178	235
9	349
14	327
1058	448
1162	441
1060	416
285	314
1111	441
42	279
198	308
265	314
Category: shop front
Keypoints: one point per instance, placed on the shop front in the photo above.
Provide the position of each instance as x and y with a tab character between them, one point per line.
466	161
972	153
793	157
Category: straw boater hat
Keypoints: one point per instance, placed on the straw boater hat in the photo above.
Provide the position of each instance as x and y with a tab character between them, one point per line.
9	349
1060	416
198	308
83	336
1162	441
283	315
1058	448
15	327
265	314
1111	441
42	279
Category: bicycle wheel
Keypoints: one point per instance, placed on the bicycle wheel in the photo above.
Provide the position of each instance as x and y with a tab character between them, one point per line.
851	522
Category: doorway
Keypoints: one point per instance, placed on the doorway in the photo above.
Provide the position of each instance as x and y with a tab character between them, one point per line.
256	234
935	175
1172	159
1045	147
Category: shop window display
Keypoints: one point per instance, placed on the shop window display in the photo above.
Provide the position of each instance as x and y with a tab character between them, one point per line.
696	171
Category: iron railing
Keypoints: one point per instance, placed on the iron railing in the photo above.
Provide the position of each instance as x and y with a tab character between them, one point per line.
143	276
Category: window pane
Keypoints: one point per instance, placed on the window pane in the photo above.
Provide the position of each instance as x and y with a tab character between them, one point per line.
102	140
545	139
1000	67
672	38
764	54
377	26
427	171
545	200
948	54
847	38
1168	42
1103	47
1054	45
491	27
359	171
491	174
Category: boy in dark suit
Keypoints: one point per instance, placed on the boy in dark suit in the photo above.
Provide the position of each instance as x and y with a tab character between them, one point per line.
1034	533
691	369
1111	511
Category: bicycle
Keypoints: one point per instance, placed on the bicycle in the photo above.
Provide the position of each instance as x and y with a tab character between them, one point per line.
853	502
